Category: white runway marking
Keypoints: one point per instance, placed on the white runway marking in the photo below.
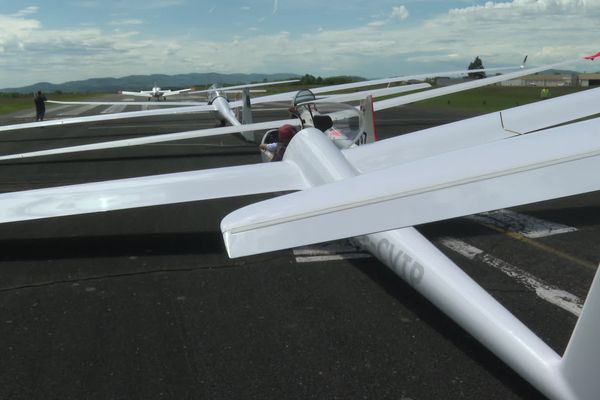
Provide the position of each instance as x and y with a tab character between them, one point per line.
331	251
115	108
526	225
551	294
78	110
49	110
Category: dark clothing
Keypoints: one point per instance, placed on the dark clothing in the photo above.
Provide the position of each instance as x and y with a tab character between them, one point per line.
40	107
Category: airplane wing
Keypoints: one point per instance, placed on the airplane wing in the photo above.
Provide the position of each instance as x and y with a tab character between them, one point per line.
389	103
543	165
150	191
288	96
108	117
250	85
141	93
200	133
354	96
166	137
474	131
546	164
130	103
174	92
468	132
278	97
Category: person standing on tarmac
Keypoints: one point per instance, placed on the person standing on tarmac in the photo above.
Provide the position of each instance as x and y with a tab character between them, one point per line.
40	106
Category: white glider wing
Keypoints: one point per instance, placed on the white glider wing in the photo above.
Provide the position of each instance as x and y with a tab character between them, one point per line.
474	131
108	117
206	132
547	164
130	103
394	102
276	97
167	137
141	93
150	191
168	93
247	86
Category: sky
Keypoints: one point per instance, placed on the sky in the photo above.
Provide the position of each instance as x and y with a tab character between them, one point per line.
67	40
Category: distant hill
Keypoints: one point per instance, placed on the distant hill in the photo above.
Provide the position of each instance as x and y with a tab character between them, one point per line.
145	82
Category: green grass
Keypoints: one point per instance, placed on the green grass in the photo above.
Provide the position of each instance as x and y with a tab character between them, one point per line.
11	102
492	98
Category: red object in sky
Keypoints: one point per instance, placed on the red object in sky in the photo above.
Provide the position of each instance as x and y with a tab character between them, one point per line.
592	57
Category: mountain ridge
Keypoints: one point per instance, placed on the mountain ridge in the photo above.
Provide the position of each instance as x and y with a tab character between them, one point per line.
146	82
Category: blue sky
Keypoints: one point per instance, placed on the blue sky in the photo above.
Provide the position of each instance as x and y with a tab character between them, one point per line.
67	40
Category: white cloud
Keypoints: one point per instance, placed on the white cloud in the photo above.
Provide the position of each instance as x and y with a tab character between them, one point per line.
501	33
26	11
377	23
147	4
399	12
126	22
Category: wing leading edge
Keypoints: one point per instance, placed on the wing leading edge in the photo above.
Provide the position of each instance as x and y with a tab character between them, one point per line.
150	191
548	164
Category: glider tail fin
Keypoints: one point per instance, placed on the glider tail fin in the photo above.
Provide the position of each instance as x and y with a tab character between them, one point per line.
247	115
369	134
581	361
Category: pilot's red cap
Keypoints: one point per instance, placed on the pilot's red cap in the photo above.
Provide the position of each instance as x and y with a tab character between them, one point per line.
286	133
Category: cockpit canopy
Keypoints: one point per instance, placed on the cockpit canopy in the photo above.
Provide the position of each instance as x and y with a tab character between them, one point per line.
342	123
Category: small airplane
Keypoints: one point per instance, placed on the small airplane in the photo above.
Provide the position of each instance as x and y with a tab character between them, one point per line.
155	93
376	192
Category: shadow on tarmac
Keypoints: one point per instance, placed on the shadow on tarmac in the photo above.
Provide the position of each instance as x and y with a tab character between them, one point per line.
448	329
111	246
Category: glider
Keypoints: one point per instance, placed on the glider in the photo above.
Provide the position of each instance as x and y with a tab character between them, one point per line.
375	193
297	97
224	109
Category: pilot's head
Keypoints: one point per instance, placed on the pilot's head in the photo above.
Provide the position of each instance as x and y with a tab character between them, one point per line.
286	133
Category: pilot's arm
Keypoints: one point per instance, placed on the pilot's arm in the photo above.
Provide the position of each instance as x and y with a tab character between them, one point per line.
270	147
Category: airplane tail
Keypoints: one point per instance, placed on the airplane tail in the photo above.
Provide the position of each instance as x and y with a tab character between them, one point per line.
247	116
369	134
581	361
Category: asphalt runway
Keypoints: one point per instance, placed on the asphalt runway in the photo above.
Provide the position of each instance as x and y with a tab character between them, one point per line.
145	303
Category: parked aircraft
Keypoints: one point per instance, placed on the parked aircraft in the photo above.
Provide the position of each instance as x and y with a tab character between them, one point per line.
224	108
376	193
155	93
296	97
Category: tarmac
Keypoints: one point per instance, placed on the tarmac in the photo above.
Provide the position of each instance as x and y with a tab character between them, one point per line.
145	303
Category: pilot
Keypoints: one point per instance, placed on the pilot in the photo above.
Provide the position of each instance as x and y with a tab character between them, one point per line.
286	133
